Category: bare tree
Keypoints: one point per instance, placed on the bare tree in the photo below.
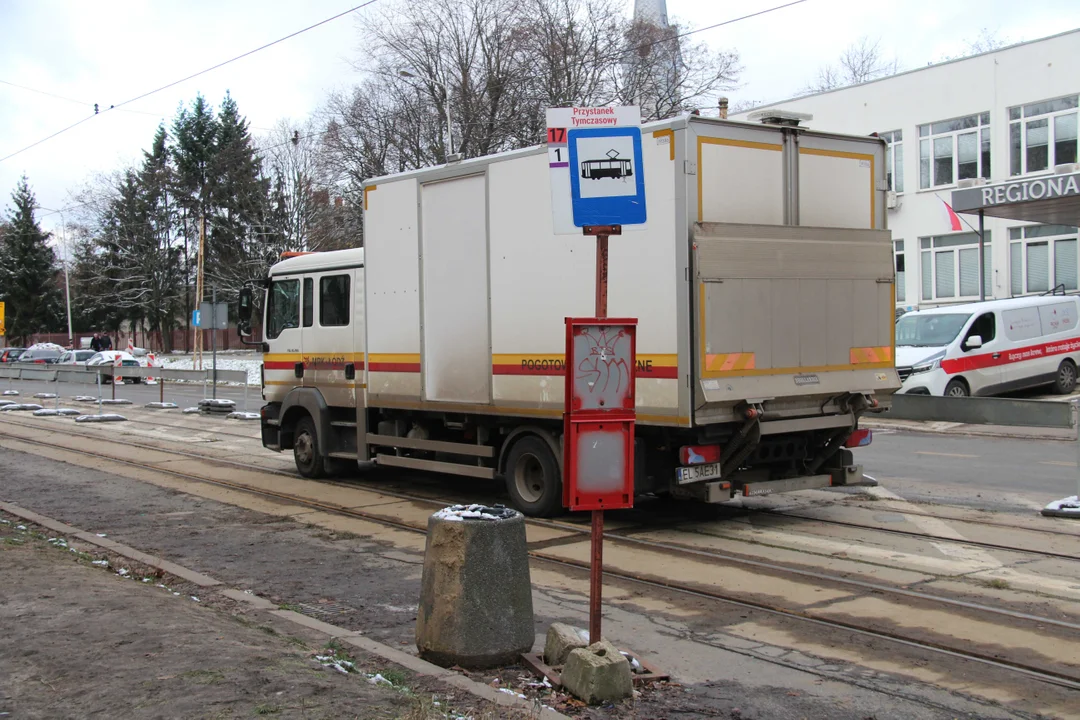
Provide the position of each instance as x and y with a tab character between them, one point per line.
860	62
986	41
665	74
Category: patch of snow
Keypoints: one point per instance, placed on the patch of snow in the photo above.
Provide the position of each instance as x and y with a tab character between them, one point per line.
378	679
195	598
101	563
11	393
251	364
176	594
20	527
45	346
146	580
102	535
511	692
1069	503
190	410
123	572
458	513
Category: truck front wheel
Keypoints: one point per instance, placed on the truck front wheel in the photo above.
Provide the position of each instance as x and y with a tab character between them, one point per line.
306	453
533	478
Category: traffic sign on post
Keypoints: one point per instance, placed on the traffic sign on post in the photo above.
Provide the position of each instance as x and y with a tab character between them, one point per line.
560	123
607	185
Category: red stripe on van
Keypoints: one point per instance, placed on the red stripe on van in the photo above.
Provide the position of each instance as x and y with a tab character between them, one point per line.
1008	357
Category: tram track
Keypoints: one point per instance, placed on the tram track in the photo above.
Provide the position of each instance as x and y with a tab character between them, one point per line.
1028	669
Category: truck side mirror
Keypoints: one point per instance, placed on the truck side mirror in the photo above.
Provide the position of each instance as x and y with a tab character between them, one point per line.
973	342
243	311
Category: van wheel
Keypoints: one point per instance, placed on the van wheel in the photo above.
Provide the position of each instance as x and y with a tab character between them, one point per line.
533	479
957	388
1066	378
309	460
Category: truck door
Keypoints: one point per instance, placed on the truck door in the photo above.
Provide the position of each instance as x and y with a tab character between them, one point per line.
986	369
331	346
791	313
283	335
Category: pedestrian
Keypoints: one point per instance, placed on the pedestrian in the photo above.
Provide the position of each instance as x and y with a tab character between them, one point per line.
95	343
106	342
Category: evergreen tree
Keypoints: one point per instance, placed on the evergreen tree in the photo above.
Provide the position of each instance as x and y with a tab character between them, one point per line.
27	271
239	199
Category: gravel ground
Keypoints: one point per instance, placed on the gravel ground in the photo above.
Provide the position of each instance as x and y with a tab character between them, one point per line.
369	585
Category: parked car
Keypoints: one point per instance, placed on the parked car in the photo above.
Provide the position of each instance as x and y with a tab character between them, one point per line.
10	354
991	347
41	356
75	357
109	357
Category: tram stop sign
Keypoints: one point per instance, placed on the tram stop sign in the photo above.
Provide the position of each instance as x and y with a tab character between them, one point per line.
598	452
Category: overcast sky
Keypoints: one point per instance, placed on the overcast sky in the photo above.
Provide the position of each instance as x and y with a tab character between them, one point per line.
108	51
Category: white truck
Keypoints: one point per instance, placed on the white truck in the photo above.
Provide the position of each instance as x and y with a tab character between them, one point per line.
762	284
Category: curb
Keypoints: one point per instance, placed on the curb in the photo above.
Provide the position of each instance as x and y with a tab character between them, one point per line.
351	637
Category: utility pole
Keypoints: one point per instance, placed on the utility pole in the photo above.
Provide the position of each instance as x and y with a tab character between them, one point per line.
197	364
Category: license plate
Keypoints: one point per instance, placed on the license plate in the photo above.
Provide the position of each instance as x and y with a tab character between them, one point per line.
695	473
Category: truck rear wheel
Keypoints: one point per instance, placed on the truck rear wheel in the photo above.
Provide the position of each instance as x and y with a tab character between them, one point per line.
306	453
533	478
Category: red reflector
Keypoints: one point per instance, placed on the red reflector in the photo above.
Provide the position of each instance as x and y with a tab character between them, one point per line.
860	438
699	454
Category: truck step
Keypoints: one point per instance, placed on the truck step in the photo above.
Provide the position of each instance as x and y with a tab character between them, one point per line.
342	455
431	445
769	487
435	466
343	423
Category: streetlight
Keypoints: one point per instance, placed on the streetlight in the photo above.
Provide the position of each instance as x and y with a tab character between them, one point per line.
446	92
67	283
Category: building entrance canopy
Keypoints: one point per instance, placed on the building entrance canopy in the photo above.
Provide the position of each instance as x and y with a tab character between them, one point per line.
1050	199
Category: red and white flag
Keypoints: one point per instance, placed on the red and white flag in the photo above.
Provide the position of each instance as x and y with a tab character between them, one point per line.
954	219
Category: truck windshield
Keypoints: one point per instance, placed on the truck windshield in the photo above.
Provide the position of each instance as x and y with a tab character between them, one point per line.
929	330
283	307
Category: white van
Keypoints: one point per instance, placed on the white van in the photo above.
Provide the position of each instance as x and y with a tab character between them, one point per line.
991	347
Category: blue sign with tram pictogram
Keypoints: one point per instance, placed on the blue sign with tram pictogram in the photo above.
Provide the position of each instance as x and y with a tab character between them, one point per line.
607	185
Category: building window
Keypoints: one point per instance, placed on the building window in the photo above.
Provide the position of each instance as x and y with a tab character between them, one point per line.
949	266
954	150
901	292
1042	135
1042	258
894	159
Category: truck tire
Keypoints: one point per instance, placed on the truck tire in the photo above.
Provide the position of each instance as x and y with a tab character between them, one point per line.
957	388
533	478
1065	382
306	453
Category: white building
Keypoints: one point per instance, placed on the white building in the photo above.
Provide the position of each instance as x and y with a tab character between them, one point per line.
1010	113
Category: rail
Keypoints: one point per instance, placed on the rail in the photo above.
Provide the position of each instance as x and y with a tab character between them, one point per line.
76	374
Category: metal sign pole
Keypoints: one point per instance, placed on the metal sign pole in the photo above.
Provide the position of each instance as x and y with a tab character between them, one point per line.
596	566
213	333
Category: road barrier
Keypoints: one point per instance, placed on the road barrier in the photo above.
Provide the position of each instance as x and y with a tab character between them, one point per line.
94	375
981	411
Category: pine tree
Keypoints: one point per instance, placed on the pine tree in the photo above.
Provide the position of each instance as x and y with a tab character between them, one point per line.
239	198
27	270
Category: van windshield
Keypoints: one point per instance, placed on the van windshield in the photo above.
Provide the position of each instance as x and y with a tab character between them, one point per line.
935	330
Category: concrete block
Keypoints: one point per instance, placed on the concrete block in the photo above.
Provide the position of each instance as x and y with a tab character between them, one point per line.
597	674
475	606
560	640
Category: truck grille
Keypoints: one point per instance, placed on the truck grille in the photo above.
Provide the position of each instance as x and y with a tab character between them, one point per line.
904	373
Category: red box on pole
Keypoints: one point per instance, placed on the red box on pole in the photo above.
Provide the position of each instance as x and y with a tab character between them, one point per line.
598	444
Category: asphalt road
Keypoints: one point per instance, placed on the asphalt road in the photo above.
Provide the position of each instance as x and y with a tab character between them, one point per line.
1009	470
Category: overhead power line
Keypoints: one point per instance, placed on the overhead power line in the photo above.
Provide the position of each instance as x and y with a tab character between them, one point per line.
119	105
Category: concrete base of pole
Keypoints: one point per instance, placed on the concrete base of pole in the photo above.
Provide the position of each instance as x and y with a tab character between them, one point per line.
1066	508
475	606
